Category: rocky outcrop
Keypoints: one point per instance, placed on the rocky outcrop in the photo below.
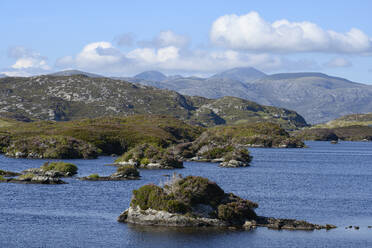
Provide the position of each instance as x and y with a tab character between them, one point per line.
237	158
54	170
136	215
234	164
34	179
196	201
127	172
149	156
285	224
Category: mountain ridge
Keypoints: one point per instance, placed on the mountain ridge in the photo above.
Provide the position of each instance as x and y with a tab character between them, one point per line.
63	98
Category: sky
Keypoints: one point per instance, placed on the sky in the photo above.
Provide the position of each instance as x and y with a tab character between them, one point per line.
123	38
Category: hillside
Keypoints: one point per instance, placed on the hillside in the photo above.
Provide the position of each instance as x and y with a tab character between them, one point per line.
355	127
349	120
316	96
88	138
63	98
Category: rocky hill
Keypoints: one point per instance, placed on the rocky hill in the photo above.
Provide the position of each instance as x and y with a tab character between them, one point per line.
316	96
74	97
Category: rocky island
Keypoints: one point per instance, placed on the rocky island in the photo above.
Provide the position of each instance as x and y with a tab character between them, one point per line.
150	156
126	172
198	202
48	173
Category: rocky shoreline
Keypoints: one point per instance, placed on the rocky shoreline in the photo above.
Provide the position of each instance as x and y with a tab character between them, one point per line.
151	217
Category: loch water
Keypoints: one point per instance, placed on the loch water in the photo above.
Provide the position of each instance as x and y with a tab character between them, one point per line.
323	183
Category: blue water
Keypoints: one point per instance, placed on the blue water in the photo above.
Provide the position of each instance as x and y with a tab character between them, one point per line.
322	184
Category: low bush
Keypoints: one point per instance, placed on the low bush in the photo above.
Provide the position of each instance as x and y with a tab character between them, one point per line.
61	167
94	176
128	170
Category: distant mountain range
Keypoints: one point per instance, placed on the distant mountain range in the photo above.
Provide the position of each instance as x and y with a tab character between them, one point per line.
316	96
81	95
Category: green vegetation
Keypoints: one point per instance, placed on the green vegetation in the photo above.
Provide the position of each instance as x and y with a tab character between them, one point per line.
354	127
26	177
144	154
69	168
128	170
52	146
64	98
239	154
236	211
348	133
93	176
91	137
183	195
259	134
217	152
2	178
228	142
236	111
348	120
154	197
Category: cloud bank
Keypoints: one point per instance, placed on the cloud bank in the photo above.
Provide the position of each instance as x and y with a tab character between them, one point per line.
251	32
27	62
245	40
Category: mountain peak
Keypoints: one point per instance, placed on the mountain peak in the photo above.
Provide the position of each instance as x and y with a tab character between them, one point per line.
243	74
151	76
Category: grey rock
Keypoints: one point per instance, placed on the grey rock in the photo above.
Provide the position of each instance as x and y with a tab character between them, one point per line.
152	217
234	164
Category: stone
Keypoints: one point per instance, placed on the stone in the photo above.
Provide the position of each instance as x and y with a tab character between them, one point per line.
234	164
161	218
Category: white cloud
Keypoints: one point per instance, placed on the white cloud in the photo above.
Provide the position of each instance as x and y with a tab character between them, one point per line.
98	54
104	58
338	62
169	38
252	33
151	55
165	39
27	59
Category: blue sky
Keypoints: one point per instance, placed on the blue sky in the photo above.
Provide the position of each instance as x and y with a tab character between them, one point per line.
123	38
